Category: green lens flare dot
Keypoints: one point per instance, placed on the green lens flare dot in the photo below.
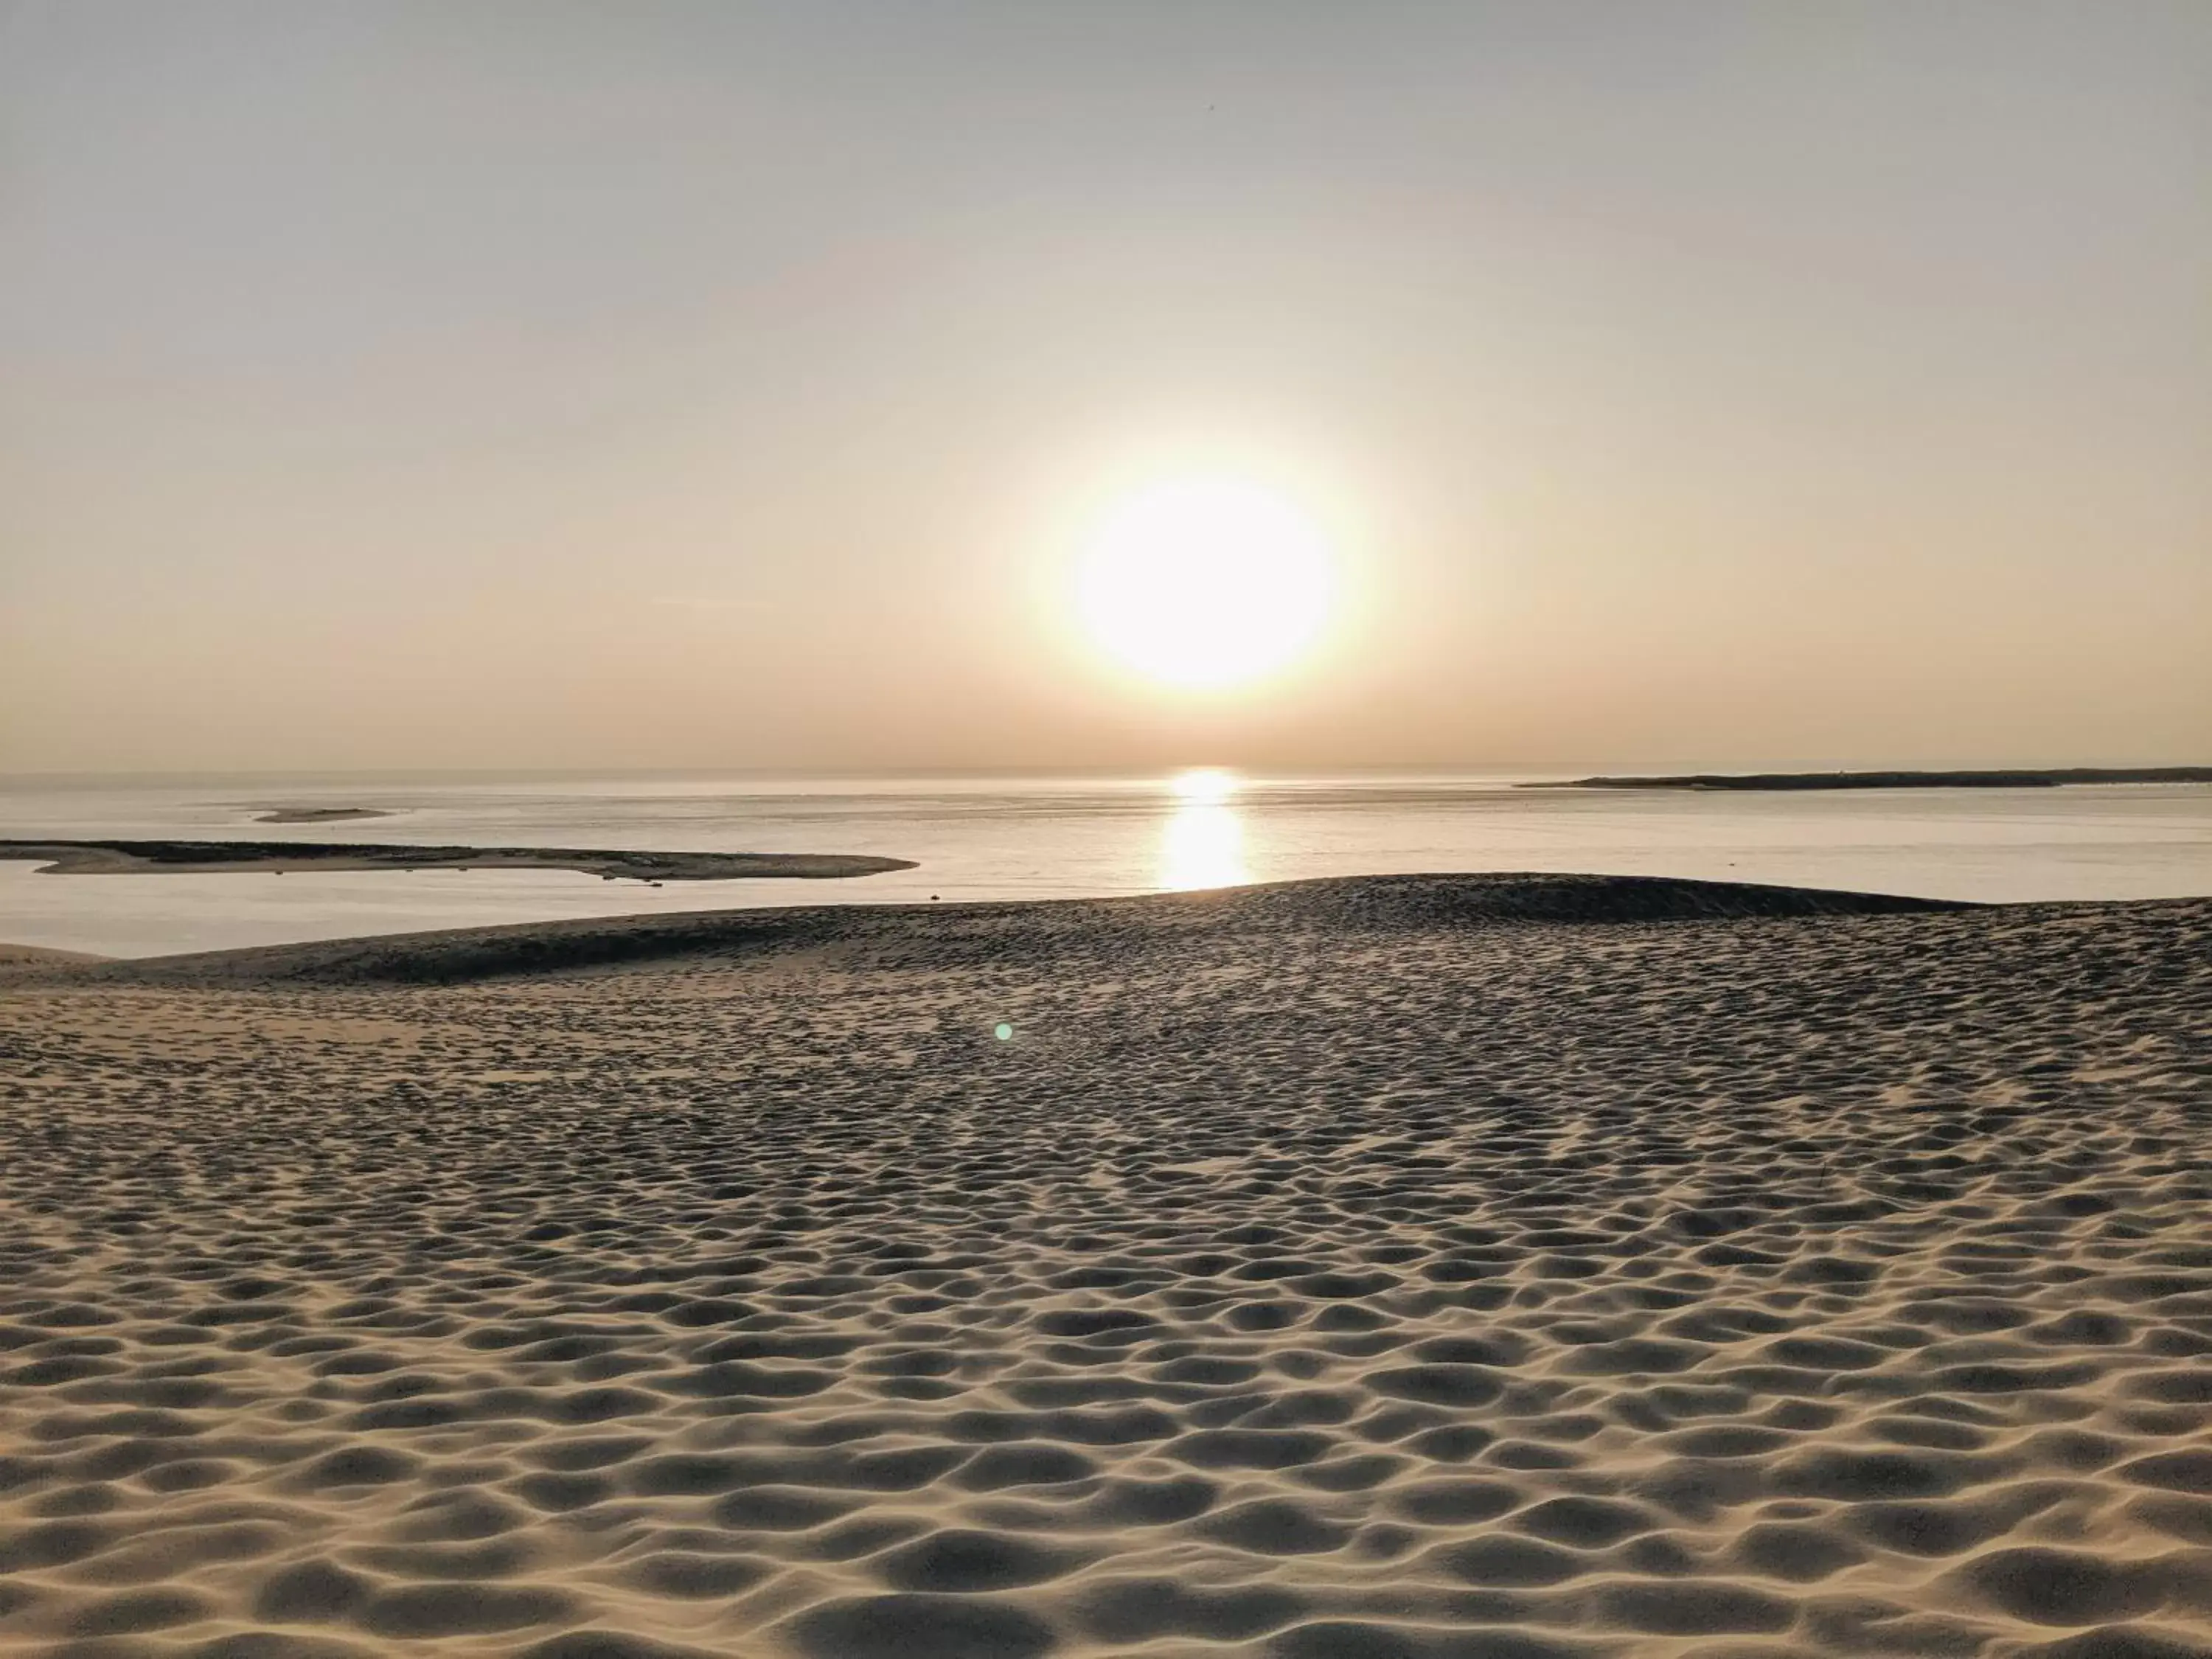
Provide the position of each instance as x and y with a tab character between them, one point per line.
1003	1032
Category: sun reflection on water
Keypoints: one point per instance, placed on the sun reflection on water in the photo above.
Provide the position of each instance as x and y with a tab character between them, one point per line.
1203	843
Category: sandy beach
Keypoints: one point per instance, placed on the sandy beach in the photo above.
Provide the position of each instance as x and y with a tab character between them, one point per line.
1446	1267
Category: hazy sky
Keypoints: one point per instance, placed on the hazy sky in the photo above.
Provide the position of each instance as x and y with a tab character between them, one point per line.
714	384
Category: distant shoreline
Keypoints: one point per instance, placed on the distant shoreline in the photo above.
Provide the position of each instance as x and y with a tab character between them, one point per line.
98	858
2052	779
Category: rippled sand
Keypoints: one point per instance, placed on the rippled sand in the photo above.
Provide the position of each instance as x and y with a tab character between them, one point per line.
1436	1267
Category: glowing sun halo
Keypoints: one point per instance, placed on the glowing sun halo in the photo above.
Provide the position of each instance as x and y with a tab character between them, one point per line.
1205	582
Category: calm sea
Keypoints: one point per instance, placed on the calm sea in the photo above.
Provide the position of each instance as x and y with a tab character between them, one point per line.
1008	838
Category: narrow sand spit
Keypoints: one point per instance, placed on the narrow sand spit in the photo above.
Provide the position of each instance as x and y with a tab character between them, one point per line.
319	814
138	858
1419	1268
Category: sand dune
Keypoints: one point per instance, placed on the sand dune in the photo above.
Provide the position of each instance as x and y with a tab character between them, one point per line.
25	958
1422	1268
960	932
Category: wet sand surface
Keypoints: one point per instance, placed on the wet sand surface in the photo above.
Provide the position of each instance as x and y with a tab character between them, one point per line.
1407	1268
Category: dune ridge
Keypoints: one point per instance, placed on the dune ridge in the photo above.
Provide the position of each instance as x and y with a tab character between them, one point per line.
450	955
30	959
1405	1269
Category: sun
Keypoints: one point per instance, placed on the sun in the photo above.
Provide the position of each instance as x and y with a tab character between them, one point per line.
1205	582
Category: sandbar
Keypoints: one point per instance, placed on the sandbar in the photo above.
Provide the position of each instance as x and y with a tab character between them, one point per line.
320	814
99	858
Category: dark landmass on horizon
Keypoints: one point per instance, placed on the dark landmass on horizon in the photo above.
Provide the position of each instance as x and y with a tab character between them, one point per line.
87	858
2044	779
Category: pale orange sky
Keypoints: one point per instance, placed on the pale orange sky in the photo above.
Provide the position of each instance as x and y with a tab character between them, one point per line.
691	385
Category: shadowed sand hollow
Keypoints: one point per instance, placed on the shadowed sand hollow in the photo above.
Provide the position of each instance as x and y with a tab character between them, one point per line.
1443	1267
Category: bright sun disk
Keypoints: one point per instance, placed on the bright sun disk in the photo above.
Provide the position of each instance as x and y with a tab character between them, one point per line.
1206	582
